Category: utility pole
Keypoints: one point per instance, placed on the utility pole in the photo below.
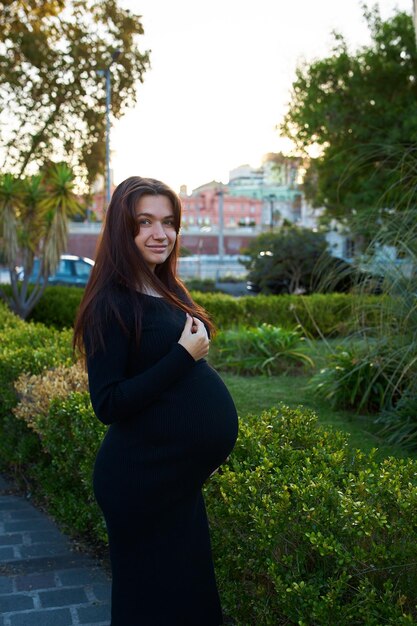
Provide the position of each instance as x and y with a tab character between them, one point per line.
271	198
220	195
107	75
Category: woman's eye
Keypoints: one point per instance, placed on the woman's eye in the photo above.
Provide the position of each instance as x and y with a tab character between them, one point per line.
170	223
143	221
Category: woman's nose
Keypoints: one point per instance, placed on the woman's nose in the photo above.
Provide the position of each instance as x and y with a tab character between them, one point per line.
158	231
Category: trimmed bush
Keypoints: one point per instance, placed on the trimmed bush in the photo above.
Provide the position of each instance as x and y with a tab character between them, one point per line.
263	350
317	314
58	306
70	436
307	531
24	348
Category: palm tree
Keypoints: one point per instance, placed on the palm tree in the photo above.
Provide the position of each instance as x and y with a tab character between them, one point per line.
34	215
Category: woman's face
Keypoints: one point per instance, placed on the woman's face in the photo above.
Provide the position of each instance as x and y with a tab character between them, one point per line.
156	237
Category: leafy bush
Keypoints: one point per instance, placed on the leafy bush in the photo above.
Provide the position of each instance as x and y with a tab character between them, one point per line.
58	306
317	314
8	319
352	380
307	531
263	350
70	436
24	348
304	529
36	391
203	285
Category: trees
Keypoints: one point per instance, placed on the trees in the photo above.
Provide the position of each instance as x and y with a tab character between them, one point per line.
360	111
291	260
34	216
51	97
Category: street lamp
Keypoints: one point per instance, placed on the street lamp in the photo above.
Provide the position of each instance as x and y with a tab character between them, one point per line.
271	198
106	73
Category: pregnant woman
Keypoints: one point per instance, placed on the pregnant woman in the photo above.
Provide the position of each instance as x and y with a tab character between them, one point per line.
172	421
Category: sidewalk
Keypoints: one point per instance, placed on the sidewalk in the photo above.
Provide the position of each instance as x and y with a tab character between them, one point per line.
43	580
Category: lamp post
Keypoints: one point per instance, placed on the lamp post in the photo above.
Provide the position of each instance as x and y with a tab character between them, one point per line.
106	73
271	198
220	195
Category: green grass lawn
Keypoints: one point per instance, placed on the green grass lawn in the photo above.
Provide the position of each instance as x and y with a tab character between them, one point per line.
257	393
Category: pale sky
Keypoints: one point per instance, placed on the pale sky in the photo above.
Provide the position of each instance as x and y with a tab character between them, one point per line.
220	80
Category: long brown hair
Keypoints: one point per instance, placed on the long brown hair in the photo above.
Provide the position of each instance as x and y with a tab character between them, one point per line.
120	265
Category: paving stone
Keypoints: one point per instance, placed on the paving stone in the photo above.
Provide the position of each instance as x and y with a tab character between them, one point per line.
22	514
35	581
11	503
45	536
44	549
63	597
28	524
98	613
11	539
44	564
57	617
82	576
102	592
15	602
6	554
6	584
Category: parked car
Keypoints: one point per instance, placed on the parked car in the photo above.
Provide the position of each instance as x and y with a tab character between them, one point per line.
72	270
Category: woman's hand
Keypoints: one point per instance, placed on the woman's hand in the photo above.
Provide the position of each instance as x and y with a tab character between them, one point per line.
194	338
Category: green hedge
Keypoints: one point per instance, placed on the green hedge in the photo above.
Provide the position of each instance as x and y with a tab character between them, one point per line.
24	347
304	530
327	314
307	531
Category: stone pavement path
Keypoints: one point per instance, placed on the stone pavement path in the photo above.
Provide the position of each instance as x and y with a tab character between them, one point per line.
43	580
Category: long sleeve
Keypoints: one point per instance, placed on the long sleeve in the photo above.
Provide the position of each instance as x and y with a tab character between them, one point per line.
114	394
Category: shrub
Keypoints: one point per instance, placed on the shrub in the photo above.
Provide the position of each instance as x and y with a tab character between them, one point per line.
70	436
36	391
7	318
25	348
317	314
357	377
307	531
58	306
263	350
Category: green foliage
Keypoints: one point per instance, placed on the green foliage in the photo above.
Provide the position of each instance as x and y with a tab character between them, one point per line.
263	350
307	531
359	108
58	306
353	379
50	74
287	260
34	221
317	314
304	529
26	348
70	435
203	285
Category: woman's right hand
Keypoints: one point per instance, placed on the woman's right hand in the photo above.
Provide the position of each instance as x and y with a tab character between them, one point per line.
194	338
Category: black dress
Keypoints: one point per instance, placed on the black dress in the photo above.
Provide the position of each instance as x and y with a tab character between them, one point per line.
172	423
